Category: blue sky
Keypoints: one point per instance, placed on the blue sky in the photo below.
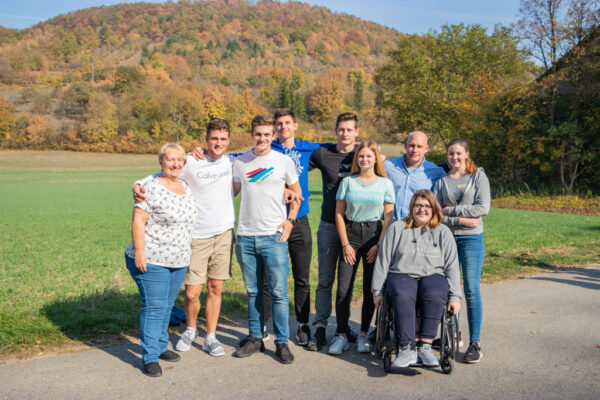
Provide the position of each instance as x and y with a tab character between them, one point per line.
404	15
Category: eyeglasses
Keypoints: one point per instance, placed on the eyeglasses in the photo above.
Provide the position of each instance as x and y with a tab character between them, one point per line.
422	206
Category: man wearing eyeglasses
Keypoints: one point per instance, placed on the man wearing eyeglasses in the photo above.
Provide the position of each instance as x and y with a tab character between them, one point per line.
411	172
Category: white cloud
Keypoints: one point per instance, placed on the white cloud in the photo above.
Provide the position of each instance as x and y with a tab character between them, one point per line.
21	17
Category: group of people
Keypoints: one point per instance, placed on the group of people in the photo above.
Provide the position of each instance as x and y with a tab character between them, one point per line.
183	223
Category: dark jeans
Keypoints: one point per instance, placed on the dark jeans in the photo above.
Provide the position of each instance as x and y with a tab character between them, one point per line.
300	248
431	291
361	236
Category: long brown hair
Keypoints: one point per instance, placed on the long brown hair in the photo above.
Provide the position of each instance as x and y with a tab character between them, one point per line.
436	211
469	164
374	147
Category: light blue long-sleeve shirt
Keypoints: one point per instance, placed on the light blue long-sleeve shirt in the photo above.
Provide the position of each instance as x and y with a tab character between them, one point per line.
407	183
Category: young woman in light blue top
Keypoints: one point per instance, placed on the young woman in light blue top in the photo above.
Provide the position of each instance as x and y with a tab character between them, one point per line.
361	200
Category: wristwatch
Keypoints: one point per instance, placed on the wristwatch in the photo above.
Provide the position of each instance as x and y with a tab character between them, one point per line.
293	220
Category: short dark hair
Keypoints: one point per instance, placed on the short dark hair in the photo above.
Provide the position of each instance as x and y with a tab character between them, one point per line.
217	124
284	112
347	116
262	120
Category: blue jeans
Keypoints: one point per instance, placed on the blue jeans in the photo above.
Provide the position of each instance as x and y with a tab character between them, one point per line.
470	254
330	249
159	287
256	254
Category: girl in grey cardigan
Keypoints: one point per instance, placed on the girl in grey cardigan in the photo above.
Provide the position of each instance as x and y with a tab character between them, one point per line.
464	195
418	260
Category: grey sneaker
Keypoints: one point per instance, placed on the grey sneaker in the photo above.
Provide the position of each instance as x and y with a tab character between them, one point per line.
187	337
406	357
362	344
338	346
213	346
426	356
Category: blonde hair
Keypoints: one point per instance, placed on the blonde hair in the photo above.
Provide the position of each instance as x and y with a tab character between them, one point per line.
170	146
371	145
469	164
436	211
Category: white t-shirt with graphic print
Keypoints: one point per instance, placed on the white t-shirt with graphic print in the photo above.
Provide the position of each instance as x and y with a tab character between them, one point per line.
168	232
263	180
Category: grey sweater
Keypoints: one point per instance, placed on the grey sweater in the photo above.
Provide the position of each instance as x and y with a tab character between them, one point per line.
417	252
475	202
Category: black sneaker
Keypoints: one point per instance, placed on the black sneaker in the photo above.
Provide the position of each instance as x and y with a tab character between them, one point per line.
283	354
242	342
251	346
152	369
170	356
317	342
303	335
473	354
351	336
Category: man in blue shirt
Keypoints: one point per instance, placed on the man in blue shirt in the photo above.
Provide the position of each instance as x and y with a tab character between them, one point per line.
300	240
411	172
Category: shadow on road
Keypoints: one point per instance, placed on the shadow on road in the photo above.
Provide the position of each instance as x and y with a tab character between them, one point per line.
107	321
584	277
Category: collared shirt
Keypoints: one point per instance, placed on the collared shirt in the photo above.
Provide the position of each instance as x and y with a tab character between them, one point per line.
300	155
407	183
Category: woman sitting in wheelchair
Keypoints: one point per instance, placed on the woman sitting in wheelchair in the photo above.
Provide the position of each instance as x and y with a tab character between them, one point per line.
418	261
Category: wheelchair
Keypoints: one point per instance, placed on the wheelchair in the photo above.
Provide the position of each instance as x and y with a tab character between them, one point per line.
386	342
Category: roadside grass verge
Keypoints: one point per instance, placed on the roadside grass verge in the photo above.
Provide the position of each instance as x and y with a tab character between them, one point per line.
566	204
64	228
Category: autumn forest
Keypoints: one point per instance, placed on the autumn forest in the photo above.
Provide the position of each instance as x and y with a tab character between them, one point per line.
130	77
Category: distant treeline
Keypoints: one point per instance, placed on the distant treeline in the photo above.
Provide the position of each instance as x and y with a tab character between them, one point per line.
127	78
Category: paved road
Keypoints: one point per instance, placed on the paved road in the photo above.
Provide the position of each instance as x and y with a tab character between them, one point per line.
541	339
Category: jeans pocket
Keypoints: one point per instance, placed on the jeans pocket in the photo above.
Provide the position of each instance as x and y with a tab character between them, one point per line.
276	236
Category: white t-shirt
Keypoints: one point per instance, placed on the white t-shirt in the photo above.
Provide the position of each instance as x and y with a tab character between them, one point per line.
211	183
168	232
263	179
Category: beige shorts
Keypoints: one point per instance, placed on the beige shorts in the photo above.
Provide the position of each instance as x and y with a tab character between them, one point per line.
210	257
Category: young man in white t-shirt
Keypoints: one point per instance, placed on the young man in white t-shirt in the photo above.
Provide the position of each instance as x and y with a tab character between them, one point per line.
210	180
264	227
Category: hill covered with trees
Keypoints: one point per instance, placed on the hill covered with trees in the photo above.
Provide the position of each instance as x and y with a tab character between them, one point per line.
130	76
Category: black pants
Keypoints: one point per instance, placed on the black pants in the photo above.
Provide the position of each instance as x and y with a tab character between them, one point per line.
361	236
300	248
405	290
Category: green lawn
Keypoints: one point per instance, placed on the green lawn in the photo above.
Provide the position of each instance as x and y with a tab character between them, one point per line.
66	220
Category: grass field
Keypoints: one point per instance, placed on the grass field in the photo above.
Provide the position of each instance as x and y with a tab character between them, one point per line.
66	220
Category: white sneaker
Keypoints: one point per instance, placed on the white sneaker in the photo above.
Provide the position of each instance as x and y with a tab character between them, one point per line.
362	344
406	357
186	339
213	346
339	345
426	356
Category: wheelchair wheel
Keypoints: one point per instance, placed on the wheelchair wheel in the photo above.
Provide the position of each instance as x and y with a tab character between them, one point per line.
447	365
455	331
387	362
380	332
385	334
